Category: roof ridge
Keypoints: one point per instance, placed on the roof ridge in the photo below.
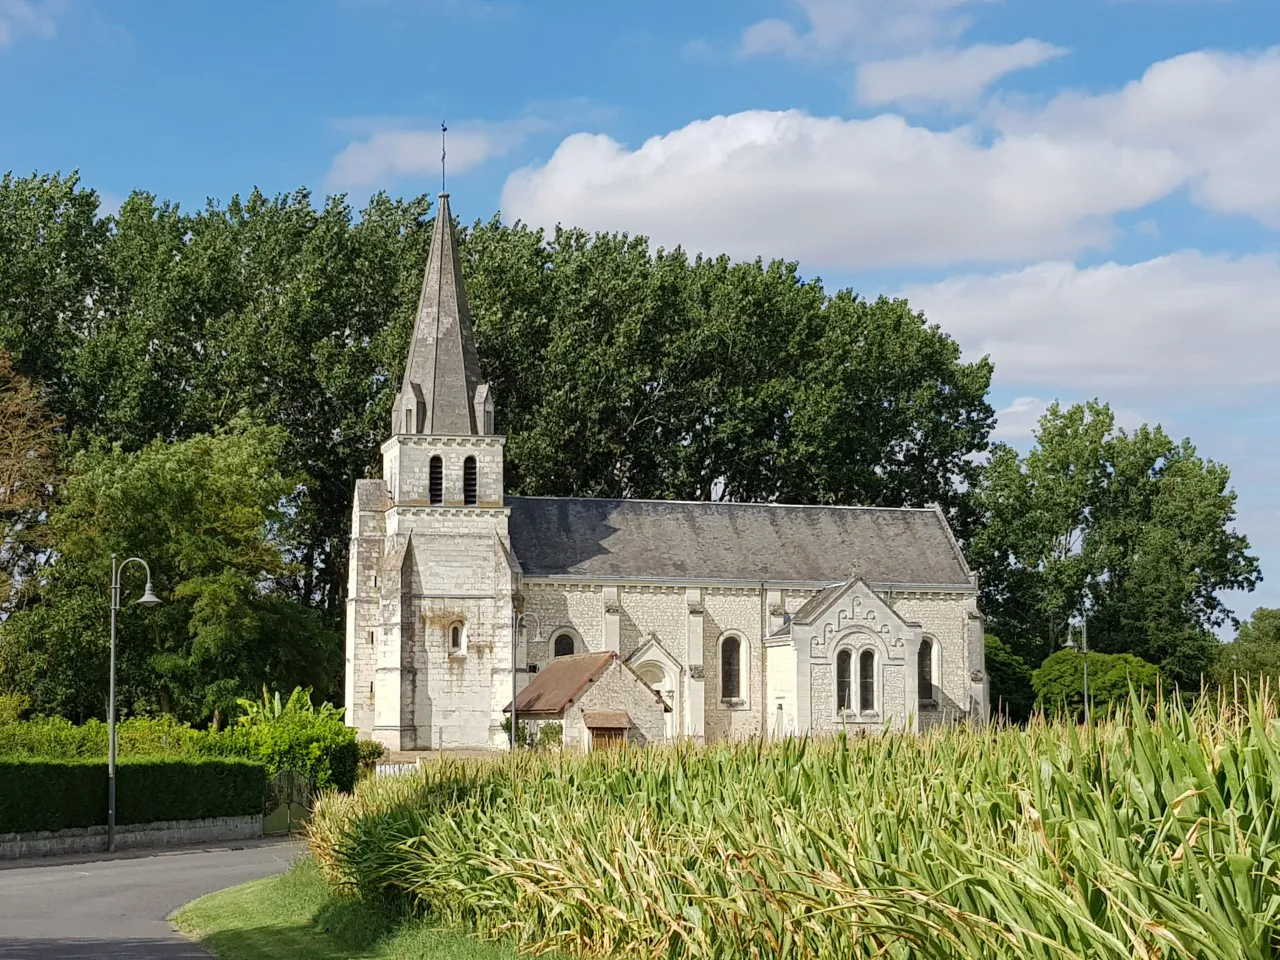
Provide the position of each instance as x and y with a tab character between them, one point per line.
730	503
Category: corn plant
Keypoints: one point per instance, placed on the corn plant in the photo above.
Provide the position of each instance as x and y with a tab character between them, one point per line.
1153	834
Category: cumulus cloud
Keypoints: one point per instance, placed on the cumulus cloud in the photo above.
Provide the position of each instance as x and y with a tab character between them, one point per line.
1219	111
845	193
1027	185
954	78
19	17
847	27
390	153
1187	322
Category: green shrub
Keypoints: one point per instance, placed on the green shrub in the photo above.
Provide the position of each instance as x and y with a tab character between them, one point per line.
322	748
45	794
550	734
1059	681
314	743
13	706
370	752
57	737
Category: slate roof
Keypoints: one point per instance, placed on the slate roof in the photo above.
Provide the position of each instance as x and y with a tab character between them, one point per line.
815	604
442	371
671	540
559	683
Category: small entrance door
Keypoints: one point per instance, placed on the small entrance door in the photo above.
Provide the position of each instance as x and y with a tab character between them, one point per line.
604	739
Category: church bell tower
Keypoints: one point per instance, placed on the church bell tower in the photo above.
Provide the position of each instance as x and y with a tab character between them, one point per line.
429	619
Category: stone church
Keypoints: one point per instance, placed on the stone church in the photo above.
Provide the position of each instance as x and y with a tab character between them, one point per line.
740	619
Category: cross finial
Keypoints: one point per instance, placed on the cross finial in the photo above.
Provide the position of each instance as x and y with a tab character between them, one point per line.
443	130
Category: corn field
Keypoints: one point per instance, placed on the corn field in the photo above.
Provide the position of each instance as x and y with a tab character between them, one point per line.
1150	835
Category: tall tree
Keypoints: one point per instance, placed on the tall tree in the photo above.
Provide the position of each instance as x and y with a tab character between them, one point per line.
28	476
1133	526
205	513
730	381
1254	653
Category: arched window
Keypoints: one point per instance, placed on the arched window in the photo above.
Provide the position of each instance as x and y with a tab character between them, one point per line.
844	680
469	481
924	670
408	420
455	638
436	480
564	645
731	668
867	681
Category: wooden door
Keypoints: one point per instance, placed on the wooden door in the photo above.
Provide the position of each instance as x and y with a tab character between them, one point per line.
607	739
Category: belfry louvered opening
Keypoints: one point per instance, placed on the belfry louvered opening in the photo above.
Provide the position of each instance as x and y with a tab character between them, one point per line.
436	482
469	487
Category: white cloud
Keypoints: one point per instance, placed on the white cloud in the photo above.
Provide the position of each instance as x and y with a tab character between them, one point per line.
956	78
390	153
851	194
1219	112
1183	324
26	16
846	27
845	193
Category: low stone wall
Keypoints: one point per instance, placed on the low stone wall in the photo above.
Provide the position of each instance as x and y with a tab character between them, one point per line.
171	833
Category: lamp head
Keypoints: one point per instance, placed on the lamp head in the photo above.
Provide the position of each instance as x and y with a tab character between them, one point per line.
1070	644
148	598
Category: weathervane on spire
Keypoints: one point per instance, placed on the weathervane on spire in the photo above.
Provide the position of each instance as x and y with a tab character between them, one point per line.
443	131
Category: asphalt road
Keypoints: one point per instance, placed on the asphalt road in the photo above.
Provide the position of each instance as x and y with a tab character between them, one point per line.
117	908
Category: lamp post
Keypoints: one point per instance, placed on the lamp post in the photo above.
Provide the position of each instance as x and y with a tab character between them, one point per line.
1084	649
148	599
515	644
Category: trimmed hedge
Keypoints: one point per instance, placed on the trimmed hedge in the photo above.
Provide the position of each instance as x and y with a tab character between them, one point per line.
317	745
59	794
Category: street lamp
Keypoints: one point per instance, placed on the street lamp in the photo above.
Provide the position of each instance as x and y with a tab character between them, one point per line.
148	599
1084	649
515	643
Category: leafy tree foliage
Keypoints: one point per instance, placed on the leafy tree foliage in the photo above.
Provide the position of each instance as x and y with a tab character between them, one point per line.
1011	694
1133	525
203	512
1254	653
732	381
1059	681
28	475
726	381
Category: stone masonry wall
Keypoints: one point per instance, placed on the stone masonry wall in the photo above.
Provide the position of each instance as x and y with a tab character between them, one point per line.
733	610
944	619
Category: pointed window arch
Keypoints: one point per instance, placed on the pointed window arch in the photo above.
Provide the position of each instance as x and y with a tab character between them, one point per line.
469	483
844	680
867	681
924	671
436	480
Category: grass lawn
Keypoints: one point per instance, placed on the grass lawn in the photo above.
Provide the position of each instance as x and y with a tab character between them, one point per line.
294	916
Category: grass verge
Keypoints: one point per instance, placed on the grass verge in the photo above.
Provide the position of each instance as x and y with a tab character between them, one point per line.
295	916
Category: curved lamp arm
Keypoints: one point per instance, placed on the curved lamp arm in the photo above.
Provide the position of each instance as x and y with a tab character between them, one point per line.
148	598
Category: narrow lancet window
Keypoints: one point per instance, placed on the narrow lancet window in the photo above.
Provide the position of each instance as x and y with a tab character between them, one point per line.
924	670
436	480
867	681
469	481
730	664
844	680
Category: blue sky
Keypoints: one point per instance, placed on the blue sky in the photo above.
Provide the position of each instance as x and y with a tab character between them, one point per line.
1086	191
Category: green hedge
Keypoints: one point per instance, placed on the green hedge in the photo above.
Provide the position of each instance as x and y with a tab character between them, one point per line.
58	794
317	745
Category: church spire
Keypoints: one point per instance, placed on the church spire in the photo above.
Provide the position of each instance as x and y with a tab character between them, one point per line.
441	393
